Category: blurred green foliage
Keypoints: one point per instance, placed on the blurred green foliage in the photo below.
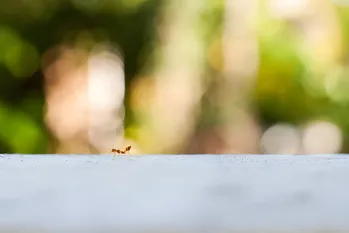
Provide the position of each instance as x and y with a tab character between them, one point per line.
29	28
292	87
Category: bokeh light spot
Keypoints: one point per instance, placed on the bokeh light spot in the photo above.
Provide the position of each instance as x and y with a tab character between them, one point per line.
337	85
8	40
281	139
321	137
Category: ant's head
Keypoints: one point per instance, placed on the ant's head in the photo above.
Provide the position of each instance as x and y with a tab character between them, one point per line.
128	148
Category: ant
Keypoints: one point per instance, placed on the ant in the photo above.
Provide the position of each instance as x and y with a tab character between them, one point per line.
127	149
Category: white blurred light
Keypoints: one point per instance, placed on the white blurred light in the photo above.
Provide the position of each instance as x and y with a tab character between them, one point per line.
281	139
106	91
288	8
106	81
321	137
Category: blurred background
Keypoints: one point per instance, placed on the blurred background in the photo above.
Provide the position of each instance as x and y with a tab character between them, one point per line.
176	76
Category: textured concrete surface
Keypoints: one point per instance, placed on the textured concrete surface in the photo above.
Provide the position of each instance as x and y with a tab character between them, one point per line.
168	193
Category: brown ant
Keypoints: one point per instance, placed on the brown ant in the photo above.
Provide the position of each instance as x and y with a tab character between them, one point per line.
127	149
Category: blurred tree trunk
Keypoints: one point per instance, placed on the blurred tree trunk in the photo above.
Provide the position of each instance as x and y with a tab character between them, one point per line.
241	60
84	94
236	129
66	85
178	79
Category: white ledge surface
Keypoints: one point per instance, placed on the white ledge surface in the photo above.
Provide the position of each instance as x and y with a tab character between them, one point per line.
184	193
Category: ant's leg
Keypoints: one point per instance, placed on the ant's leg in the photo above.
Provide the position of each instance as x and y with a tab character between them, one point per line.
114	155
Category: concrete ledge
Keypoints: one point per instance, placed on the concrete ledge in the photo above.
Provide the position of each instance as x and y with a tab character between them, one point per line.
170	193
